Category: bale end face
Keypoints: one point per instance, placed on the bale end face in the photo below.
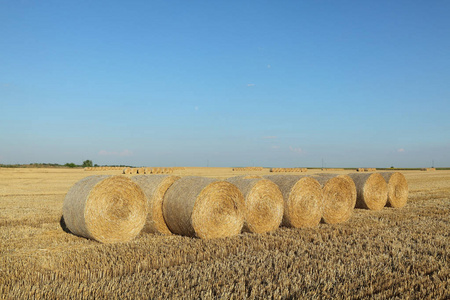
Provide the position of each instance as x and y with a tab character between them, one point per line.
154	188
397	189
204	207
263	203
339	198
302	197
219	211
107	209
372	190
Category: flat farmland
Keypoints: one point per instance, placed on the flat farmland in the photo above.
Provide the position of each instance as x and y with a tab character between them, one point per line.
392	253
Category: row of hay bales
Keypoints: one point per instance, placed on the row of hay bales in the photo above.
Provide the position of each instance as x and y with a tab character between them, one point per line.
428	169
248	169
366	169
102	168
116	208
142	171
288	170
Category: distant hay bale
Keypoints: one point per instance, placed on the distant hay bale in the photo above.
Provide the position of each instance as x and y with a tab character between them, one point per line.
154	188
247	169
372	190
360	170
204	207
133	171
397	189
263	203
148	170
428	169
141	171
105	208
339	197
302	197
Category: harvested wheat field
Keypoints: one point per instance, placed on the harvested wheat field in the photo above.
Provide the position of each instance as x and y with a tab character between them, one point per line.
389	253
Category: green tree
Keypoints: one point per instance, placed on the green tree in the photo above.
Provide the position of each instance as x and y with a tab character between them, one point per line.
70	165
87	163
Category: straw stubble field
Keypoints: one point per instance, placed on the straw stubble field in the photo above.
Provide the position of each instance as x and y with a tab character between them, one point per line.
388	253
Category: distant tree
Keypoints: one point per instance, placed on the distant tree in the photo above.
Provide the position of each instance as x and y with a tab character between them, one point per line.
392	167
70	165
87	163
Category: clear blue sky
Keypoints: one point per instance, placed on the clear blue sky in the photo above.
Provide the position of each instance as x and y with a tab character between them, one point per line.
232	83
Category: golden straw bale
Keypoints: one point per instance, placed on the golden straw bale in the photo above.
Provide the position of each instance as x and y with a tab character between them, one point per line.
263	203
105	208
397	189
302	197
339	197
204	207
154	188
428	169
141	171
372	190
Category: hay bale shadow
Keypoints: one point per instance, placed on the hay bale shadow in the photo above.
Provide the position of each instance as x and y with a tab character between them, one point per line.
63	225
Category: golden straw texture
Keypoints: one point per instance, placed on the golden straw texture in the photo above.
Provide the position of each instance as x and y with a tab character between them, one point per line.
263	203
302	197
204	207
339	197
371	189
154	188
105	208
397	189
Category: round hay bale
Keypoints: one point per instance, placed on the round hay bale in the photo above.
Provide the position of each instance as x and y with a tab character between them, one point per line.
371	189
154	188
397	189
339	197
105	208
302	197
141	171
263	203
204	207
